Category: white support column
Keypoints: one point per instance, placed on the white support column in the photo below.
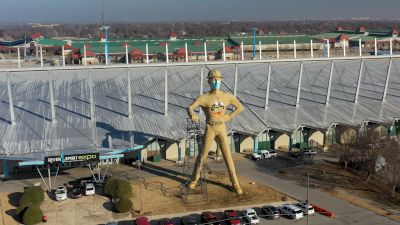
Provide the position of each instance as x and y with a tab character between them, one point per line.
328	47
186	53
147	53
344	48
299	84
201	79
387	80
19	58
376	47
359	81
328	94
260	49
294	49
166	91
10	100
166	53
268	85
277	49
41	56
312	49
242	50
129	94
360	46
91	96
235	80
52	103
391	46
126	54
63	55
84	55
205	51
223	52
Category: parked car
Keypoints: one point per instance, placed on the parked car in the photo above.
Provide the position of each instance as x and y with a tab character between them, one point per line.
264	154
77	191
89	189
233	217
308	152
165	221
61	193
112	223
142	221
271	212
291	211
210	218
189	220
250	216
307	209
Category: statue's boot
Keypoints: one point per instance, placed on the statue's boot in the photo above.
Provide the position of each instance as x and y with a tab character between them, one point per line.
238	189
192	185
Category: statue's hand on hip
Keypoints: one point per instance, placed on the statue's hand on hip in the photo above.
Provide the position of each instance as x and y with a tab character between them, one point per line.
195	118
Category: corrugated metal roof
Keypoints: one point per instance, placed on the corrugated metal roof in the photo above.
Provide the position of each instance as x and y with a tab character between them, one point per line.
34	131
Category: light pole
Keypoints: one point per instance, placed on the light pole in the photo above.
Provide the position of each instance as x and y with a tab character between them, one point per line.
254	42
105	28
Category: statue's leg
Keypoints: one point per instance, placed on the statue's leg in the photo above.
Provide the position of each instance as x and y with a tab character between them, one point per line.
201	158
222	140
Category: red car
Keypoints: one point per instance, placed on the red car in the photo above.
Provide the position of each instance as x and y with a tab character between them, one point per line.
142	221
210	218
234	217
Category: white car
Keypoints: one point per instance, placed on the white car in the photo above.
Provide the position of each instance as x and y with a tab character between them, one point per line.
291	211
264	154
89	189
250	216
61	193
303	206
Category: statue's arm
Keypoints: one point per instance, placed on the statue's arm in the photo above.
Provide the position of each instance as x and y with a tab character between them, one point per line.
238	108
190	110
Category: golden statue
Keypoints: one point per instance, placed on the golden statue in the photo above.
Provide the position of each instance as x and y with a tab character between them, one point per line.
214	105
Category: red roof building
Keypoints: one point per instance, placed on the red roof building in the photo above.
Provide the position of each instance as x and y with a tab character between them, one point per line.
136	54
362	29
36	35
339	28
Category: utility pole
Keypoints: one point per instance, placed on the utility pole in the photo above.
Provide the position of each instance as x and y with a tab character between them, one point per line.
308	187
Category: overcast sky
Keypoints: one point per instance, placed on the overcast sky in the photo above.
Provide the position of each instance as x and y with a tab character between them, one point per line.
193	10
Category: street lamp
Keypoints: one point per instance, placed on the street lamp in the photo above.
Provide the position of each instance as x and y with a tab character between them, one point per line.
105	28
254	42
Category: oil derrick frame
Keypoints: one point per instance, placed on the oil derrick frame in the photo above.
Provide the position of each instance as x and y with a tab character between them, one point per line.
193	146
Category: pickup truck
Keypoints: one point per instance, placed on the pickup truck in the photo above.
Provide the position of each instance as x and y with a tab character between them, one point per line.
264	154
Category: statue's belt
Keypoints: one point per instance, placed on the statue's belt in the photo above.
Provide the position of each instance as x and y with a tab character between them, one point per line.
214	123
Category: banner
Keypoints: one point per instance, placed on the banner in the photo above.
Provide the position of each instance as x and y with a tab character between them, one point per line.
88	157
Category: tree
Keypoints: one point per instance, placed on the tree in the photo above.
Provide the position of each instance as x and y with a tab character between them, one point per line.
32	215
117	188
391	168
34	195
368	148
344	148
123	205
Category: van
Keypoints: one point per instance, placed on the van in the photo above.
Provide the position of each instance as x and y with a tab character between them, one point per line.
291	211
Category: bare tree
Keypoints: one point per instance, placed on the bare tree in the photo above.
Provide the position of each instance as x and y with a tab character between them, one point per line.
343	148
391	168
368	148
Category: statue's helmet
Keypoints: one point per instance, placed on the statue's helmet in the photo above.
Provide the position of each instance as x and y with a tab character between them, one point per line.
214	74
